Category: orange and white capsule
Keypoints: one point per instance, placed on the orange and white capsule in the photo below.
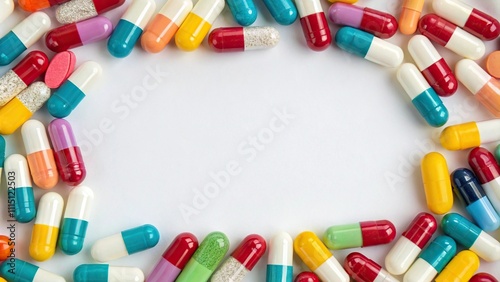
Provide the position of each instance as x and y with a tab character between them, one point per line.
39	154
165	24
46	228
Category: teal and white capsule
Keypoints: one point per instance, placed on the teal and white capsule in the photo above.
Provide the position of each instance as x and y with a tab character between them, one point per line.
75	220
73	90
23	36
422	95
366	45
26	272
130	27
244	11
107	273
19	187
432	260
280	258
125	243
471	236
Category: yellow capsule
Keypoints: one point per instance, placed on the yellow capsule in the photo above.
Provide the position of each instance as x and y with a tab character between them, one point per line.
318	258
408	20
437	184
460	269
470	134
46	229
18	110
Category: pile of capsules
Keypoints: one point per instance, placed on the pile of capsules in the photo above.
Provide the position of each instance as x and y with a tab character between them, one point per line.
455	25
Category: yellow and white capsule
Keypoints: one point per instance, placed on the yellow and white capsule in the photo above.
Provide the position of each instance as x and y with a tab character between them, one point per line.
197	24
18	110
460	269
46	228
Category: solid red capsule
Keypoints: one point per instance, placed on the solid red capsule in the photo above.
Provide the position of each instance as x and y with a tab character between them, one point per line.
307	276
483	277
314	24
363	269
175	258
230	39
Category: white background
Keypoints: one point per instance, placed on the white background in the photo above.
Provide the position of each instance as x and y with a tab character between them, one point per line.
351	152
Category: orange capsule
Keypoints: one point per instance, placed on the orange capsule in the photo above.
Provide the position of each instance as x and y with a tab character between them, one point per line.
408	20
36	5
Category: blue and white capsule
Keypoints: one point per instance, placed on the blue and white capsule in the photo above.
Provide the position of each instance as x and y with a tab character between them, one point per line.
422	95
76	220
468	189
244	11
130	27
432	260
125	243
107	273
71	93
18	177
471	236
22	36
284	12
280	259
366	45
26	272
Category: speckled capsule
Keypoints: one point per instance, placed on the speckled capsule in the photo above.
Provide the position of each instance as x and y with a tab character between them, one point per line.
79	10
228	39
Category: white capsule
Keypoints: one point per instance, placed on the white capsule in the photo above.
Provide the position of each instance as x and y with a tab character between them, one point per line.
140	12
308	7
401	256
423	52
20	197
6	8
32	28
420	271
208	10
412	80
176	10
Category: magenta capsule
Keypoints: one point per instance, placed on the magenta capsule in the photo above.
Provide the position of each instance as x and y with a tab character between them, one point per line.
363	269
380	24
78	34
67	154
229	39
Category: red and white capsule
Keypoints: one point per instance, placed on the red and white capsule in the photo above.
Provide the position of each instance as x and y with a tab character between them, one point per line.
314	24
470	19
432	66
411	243
487	170
242	260
229	39
451	37
23	74
307	276
363	269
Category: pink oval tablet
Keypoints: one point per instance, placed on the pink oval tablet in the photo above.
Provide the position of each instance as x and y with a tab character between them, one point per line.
60	68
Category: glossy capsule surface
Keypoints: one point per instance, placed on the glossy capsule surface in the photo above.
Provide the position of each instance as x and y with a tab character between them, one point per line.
175	258
230	39
79	10
470	19
18	178
361	234
363	269
411	243
451	37
318	258
280	258
6	8
468	189
165	24
33	65
36	5
2	155
69	160
244	11
368	46
7	247
27	272
437	185
485	88
129	29
378	23
46	229
18	110
423	97
125	243
483	277
242	260
460	268
206	258
487	171
23	36
107	273
197	24
78	34
284	12
314	24
410	14
471	236
306	276
39	154
76	220
72	91
470	134
433	67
